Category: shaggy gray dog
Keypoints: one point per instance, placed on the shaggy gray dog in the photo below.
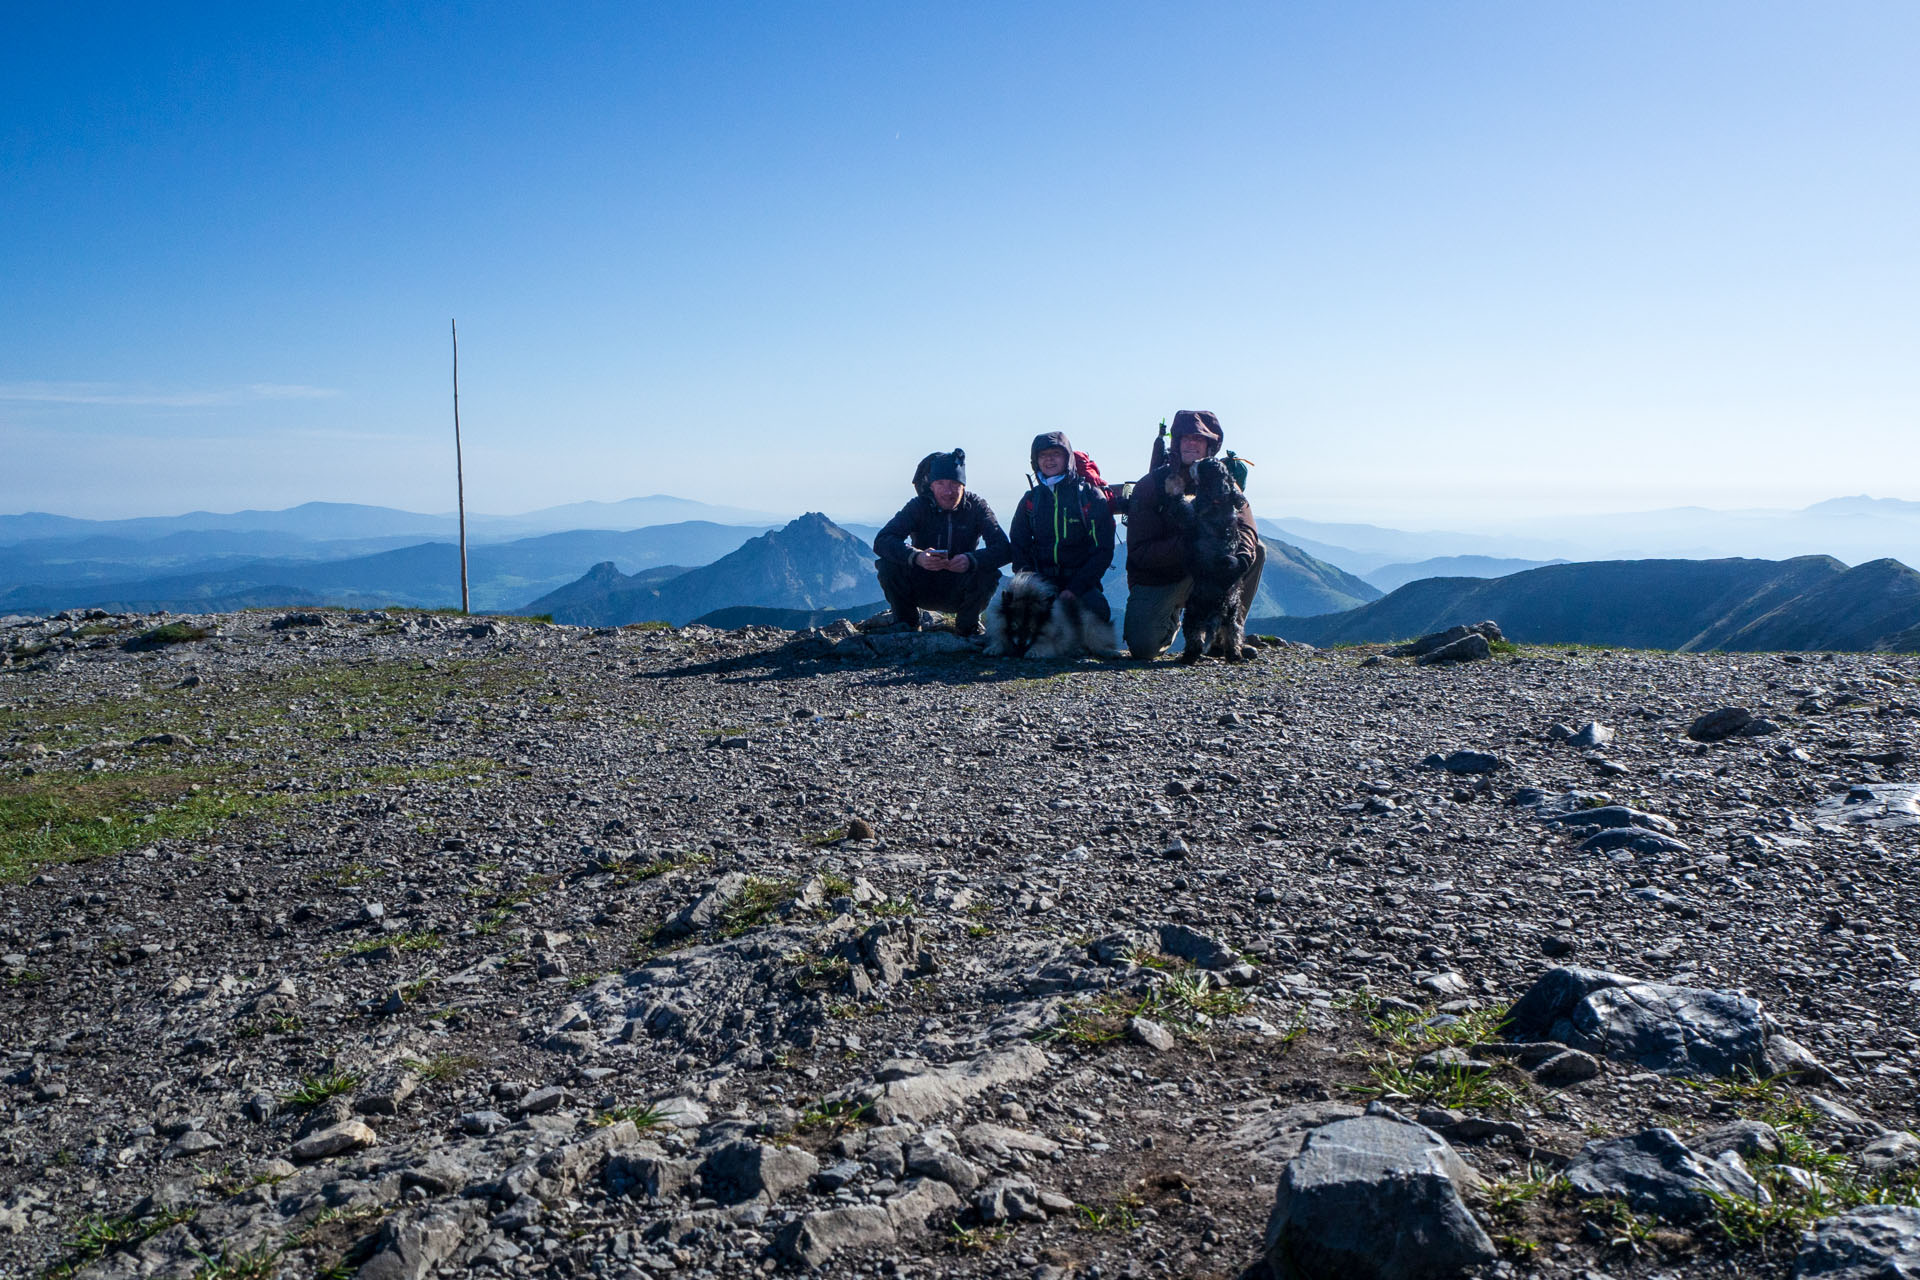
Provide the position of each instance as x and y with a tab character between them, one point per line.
1029	620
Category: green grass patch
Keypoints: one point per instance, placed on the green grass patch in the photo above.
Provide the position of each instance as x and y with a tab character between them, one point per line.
1187	1004
1456	1087
757	903
642	1115
316	1089
262	1263
1509	1198
443	1068
1413	1032
1121	1215
170	633
633	871
975	1239
816	972
834	1117
96	1235
50	819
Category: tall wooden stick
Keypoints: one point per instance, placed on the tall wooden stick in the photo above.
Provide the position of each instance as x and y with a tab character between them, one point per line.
459	470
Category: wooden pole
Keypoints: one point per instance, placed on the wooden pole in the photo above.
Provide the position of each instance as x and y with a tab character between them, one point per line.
459	470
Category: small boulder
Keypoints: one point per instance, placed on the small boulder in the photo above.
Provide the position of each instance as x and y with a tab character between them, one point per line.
1890	1153
1435	641
1681	1031
1717	725
1591	734
1570	1067
1150	1033
1745	1138
742	1170
1655	1172
1208	952
1009	1200
1633	840
1374	1198
817	1238
334	1140
1873	1242
704	911
1465	762
1473	648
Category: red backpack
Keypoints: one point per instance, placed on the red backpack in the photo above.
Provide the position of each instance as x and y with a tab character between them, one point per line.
1116	494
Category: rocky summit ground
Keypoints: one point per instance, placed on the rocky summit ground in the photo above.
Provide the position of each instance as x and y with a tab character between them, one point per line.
389	945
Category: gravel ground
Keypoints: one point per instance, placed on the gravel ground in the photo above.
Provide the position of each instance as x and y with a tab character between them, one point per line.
380	943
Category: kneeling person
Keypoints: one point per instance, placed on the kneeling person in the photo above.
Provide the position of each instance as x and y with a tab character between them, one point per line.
943	550
1160	544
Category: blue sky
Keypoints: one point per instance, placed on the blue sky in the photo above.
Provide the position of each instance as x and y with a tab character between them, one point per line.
1430	263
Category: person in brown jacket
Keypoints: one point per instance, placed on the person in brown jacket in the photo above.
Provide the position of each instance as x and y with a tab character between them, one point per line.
1158	538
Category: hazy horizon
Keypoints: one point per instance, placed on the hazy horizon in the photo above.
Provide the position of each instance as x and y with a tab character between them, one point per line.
1433	266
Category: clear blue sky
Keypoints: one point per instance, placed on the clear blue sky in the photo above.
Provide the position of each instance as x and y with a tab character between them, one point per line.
1428	261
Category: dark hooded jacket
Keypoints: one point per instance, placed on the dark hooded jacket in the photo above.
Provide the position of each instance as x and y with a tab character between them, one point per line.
970	529
1064	532
1157	535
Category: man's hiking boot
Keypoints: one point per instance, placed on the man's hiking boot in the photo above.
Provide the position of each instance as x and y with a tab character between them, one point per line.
967	626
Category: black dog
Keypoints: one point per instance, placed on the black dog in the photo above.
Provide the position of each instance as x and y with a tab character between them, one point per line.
1220	553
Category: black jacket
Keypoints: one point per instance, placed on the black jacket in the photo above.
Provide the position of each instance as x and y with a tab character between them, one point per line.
1063	532
970	528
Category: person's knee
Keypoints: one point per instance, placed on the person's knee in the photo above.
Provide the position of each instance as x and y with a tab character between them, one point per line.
1138	637
981	584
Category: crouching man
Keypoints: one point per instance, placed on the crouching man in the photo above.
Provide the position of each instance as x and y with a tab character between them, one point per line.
943	550
1160	539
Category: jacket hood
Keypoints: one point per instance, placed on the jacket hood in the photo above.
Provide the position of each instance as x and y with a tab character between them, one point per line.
1196	422
1052	440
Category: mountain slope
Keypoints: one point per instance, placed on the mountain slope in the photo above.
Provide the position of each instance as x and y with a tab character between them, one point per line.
811	564
1811	602
1390	577
1295	584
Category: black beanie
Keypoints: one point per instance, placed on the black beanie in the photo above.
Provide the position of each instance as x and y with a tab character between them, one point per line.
948	466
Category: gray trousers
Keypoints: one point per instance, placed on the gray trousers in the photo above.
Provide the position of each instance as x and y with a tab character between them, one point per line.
1153	613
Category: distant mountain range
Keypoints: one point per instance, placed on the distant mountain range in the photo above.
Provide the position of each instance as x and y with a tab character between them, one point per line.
421	575
335	521
650	561
1855	530
1390	576
1809	602
811	564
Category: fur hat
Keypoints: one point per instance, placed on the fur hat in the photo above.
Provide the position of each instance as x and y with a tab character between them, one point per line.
948	466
